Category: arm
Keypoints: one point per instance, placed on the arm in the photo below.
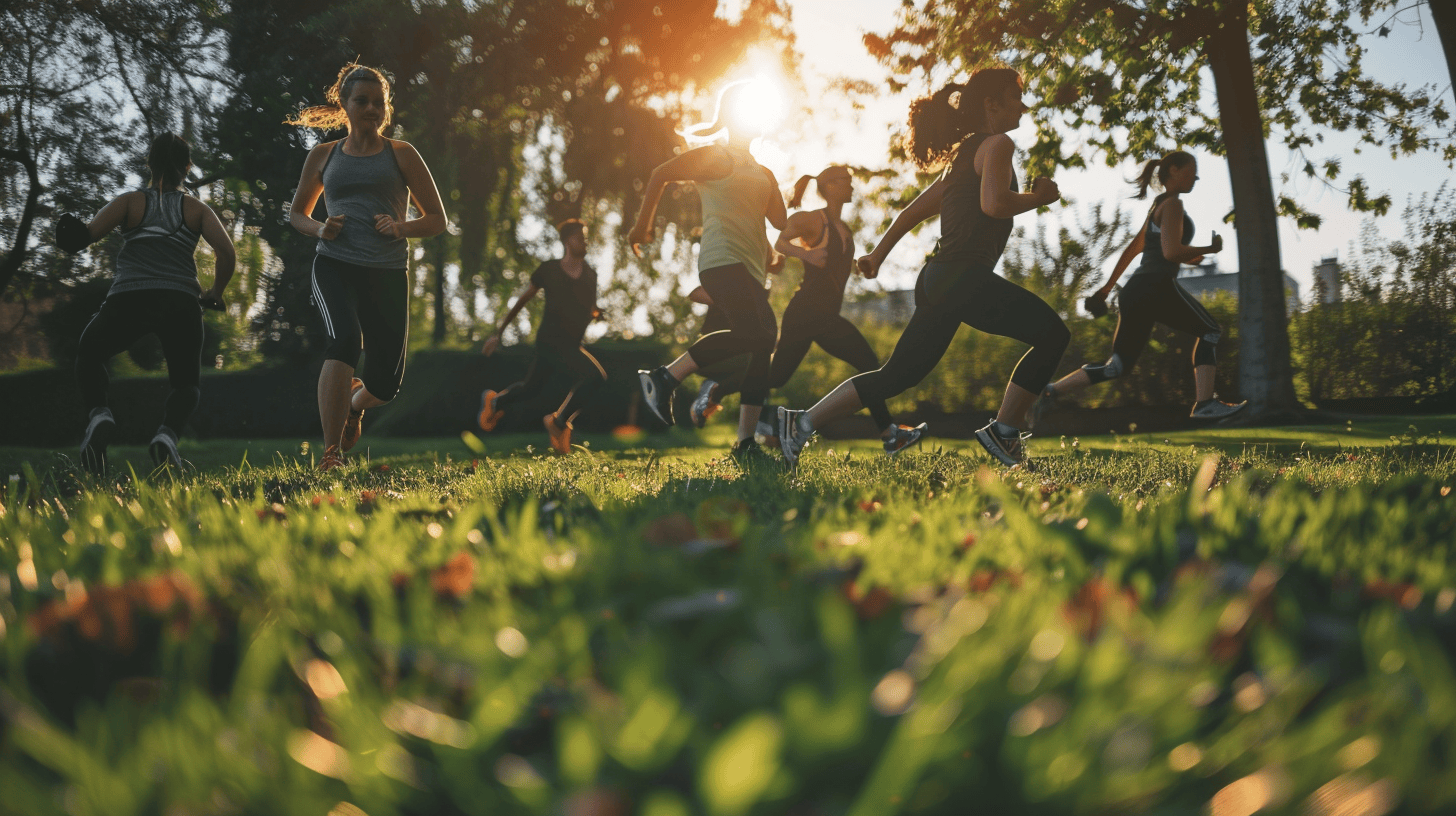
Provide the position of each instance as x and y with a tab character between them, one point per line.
222	248
493	342
924	206
1134	249
115	214
798	228
310	187
998	200
1171	223
777	213
699	164
422	191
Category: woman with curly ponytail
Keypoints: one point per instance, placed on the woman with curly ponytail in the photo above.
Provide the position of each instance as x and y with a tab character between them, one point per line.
962	127
360	279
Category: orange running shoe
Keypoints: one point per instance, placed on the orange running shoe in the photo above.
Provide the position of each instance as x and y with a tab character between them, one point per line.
333	458
560	437
489	416
354	425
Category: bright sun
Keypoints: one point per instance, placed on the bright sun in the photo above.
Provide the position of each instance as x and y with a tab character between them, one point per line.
759	107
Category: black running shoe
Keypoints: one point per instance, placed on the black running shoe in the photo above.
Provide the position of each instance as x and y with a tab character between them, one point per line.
902	437
1009	450
99	433
164	449
657	387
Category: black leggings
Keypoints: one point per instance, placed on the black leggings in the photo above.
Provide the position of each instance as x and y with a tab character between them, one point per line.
366	309
175	317
1149	299
947	295
751	330
804	325
587	375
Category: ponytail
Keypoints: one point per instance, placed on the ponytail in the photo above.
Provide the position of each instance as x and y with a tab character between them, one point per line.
937	125
799	187
331	115
1159	169
168	159
703	132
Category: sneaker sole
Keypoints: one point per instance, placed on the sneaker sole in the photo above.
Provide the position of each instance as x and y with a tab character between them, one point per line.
1241	406
992	447
915	440
648	388
164	454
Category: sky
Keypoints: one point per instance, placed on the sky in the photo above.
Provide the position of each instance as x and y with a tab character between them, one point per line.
829	34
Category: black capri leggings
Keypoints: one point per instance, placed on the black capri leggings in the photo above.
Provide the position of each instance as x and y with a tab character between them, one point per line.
586	373
805	323
752	329
947	295
175	317
1149	299
365	308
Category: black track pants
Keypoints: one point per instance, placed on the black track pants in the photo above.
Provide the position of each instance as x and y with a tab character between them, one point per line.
175	317
365	308
947	295
752	328
586	373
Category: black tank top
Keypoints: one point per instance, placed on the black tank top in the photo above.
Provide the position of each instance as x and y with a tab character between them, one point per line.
823	286
967	233
1154	262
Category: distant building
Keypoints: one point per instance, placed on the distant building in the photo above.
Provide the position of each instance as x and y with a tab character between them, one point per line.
1327	288
892	308
1205	281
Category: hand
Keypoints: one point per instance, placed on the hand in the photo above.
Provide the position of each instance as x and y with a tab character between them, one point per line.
1196	260
869	265
641	234
1046	190
1217	245
212	299
491	344
817	256
386	225
700	295
775	262
332	227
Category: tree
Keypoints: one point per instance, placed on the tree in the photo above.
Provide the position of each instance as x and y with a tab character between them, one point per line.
1128	79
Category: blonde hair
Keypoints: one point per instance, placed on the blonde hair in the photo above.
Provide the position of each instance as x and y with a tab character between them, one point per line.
331	115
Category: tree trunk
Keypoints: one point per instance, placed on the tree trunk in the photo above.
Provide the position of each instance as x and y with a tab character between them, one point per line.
437	334
1266	377
1443	12
18	253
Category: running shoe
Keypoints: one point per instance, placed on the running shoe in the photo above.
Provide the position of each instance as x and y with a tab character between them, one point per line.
333	458
354	424
1007	448
99	433
489	416
902	437
1214	408
792	436
164	449
766	432
704	406
657	387
560	437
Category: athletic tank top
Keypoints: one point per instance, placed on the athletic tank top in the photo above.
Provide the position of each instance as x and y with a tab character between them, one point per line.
967	234
733	212
1153	262
157	253
362	187
823	286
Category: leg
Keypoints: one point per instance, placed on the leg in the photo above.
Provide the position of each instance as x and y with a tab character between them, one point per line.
336	299
917	352
384	325
1134	327
525	390
181	333
745	303
997	306
121	319
841	339
1184	313
590	377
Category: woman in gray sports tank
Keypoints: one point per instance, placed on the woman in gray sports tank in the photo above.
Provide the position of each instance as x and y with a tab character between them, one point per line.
155	292
360	274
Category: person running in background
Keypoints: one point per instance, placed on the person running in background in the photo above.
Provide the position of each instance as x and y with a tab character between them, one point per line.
823	242
570	284
155	292
976	197
360	279
737	195
1153	294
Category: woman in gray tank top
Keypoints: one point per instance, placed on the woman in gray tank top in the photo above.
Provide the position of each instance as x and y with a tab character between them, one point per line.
155	292
360	274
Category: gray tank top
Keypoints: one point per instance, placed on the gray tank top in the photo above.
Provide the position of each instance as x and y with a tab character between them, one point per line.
157	253
362	187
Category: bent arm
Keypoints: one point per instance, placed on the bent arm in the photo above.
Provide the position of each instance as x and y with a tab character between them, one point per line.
998	200
797	228
1134	249
777	213
310	187
1171	223
216	237
925	205
517	307
424	193
698	164
111	216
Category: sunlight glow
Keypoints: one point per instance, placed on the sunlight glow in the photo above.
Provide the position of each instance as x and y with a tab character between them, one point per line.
759	108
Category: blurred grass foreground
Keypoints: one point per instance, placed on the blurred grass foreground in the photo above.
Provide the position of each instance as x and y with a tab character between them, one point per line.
1132	628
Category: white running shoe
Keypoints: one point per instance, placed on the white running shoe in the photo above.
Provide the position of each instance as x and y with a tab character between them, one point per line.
99	433
792	436
703	405
1008	450
1214	408
164	449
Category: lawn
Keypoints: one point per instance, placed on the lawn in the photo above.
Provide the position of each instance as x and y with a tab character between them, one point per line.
1227	621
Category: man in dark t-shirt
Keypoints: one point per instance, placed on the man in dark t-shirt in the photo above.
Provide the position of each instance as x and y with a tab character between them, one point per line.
570	284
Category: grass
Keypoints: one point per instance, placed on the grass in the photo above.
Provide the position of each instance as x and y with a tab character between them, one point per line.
1140	625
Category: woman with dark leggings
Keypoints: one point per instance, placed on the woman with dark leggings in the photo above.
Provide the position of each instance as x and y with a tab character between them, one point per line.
737	194
1153	294
360	278
155	292
976	198
570	285
822	241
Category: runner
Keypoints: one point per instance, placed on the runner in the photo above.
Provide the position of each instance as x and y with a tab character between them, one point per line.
155	292
976	197
360	280
1153	294
570	284
737	195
